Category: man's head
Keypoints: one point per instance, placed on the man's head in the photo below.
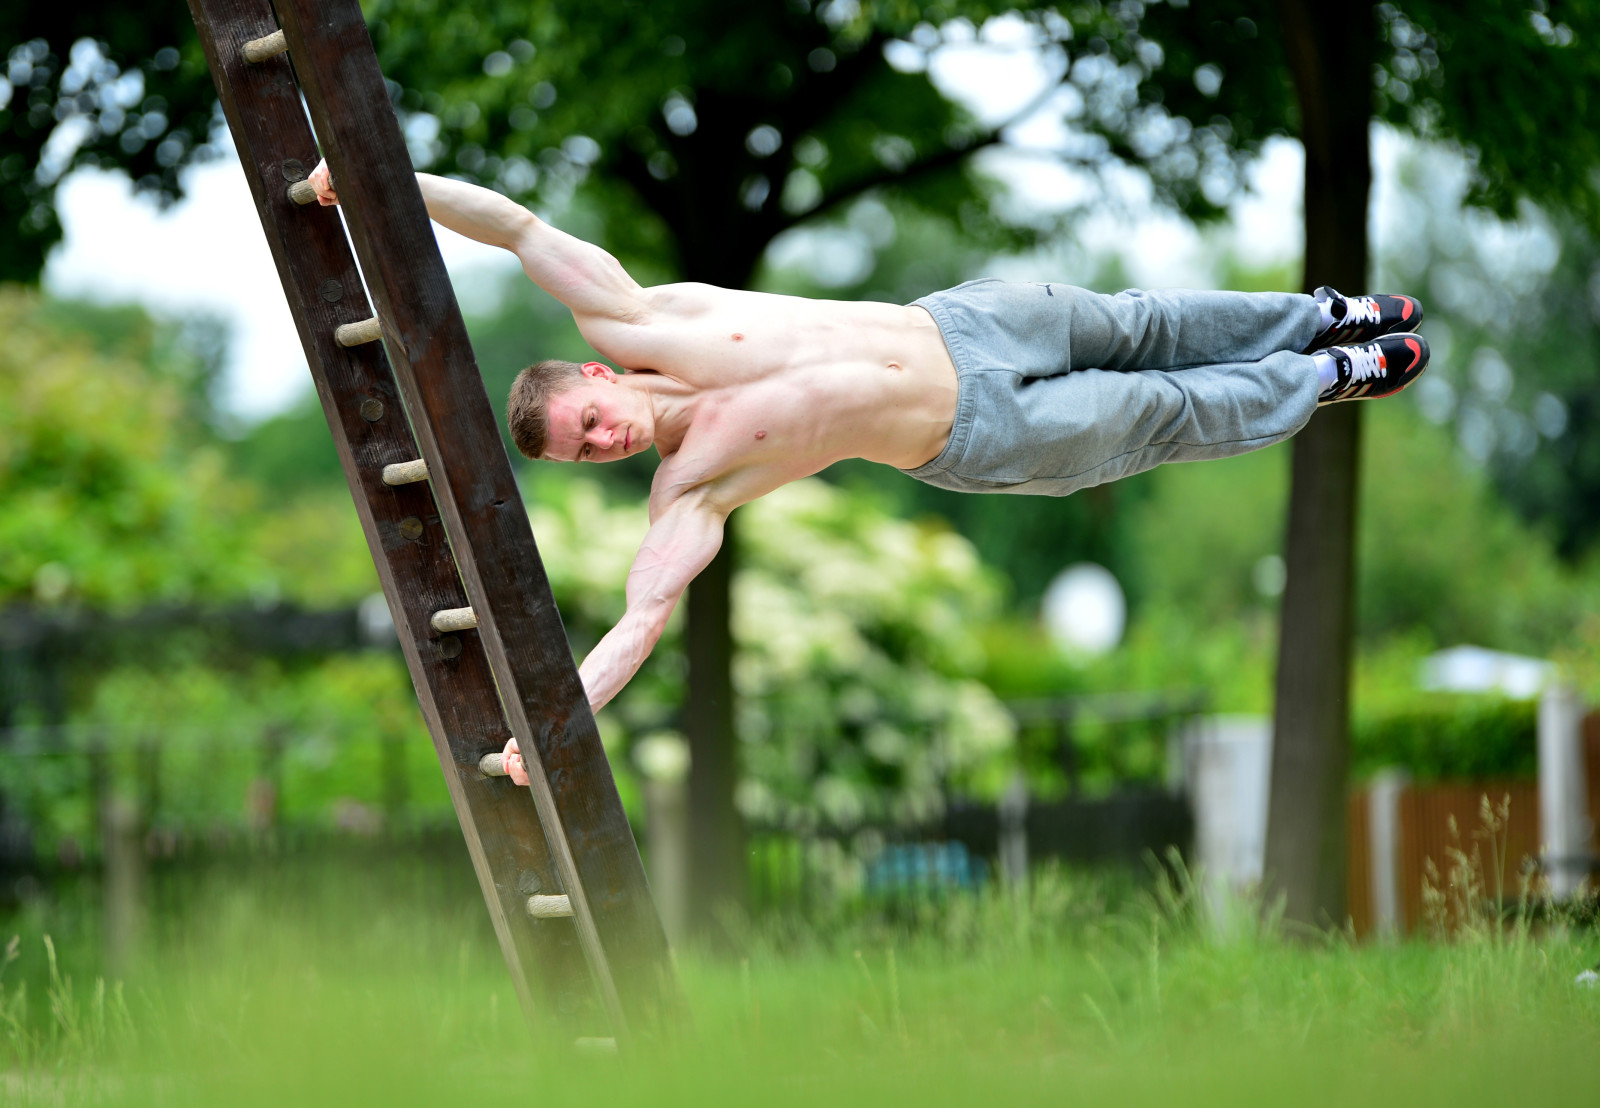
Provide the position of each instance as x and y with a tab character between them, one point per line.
567	412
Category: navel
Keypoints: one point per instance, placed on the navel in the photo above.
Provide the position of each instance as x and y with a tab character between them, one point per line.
895	366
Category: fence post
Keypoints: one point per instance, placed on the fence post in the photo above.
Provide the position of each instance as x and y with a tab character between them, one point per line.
1383	842
1564	827
1014	831
124	880
264	796
663	762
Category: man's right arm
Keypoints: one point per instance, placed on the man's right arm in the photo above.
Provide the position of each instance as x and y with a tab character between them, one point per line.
581	275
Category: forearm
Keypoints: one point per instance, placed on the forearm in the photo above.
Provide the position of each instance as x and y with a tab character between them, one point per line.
618	656
680	543
476	212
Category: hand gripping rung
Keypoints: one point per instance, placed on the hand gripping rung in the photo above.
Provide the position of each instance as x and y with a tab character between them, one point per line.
354	334
260	49
405	473
453	619
549	907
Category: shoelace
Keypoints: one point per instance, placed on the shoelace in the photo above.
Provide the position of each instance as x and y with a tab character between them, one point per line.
1360	309
1366	362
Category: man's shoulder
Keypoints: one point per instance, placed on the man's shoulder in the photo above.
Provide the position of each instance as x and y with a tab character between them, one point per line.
683	299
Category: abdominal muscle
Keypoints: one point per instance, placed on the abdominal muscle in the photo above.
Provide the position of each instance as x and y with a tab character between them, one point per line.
793	385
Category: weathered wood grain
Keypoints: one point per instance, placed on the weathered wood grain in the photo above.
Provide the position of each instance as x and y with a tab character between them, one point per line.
454	682
472	481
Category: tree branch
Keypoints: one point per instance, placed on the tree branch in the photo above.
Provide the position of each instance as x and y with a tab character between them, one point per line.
944	159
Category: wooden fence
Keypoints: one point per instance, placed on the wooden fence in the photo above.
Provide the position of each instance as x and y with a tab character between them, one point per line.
1504	856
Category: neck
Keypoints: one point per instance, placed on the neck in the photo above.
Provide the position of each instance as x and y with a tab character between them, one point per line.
672	406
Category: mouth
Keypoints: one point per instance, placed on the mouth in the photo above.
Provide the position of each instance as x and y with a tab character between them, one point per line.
627	440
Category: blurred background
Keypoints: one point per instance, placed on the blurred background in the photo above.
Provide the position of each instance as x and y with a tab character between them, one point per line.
935	695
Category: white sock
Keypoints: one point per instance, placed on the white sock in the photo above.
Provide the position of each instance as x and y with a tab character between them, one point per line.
1325	307
1327	369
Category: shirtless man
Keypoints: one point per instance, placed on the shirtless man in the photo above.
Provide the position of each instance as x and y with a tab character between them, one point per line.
987	387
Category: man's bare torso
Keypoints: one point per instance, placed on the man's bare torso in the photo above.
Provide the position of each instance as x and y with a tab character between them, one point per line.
781	387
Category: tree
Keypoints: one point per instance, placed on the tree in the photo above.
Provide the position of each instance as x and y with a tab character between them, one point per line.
1505	79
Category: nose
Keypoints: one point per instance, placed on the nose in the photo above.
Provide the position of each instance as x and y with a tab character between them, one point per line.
602	437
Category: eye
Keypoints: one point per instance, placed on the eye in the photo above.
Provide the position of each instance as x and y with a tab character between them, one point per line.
588	451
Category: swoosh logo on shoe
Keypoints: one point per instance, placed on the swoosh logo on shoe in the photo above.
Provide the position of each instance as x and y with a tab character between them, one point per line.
1416	354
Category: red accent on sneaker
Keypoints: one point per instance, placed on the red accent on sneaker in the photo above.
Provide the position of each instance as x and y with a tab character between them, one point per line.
1416	351
1405	307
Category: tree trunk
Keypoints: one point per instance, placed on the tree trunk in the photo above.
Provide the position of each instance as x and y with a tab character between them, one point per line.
1331	61
716	835
718	251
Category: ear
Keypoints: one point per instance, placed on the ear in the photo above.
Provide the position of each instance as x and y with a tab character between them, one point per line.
597	372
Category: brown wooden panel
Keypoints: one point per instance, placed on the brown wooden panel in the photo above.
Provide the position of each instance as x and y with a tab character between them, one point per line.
457	431
1425	814
1358	891
456	689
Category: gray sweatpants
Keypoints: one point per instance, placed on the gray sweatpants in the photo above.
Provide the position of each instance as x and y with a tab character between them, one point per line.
1060	388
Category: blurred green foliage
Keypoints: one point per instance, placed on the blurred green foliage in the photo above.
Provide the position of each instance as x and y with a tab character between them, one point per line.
108	496
1514	321
1450	737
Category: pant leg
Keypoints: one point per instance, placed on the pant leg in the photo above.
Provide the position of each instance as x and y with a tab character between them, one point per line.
1054	435
1129	422
1039	330
1174	328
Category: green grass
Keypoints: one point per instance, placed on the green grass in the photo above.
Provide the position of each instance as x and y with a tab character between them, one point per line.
373	980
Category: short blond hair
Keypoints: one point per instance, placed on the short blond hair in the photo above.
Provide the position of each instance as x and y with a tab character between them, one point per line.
527	410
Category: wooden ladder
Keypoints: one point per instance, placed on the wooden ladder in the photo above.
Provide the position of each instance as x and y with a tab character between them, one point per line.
421	449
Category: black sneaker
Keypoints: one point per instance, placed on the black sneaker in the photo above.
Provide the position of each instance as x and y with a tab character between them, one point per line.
1363	318
1374	369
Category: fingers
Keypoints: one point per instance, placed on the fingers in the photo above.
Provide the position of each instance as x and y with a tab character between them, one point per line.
321	179
513	763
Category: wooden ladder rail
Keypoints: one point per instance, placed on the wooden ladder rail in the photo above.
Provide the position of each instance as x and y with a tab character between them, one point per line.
590	861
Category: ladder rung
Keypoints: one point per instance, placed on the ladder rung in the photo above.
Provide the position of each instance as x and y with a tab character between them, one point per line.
405	473
301	192
260	49
492	765
454	619
549	907
354	334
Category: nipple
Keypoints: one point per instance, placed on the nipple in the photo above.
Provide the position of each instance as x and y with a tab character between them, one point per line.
737	337
761	434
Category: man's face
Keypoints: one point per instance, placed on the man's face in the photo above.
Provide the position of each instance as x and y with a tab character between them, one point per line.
600	420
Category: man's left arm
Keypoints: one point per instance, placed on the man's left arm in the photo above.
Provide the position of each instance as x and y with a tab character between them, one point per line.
680	543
